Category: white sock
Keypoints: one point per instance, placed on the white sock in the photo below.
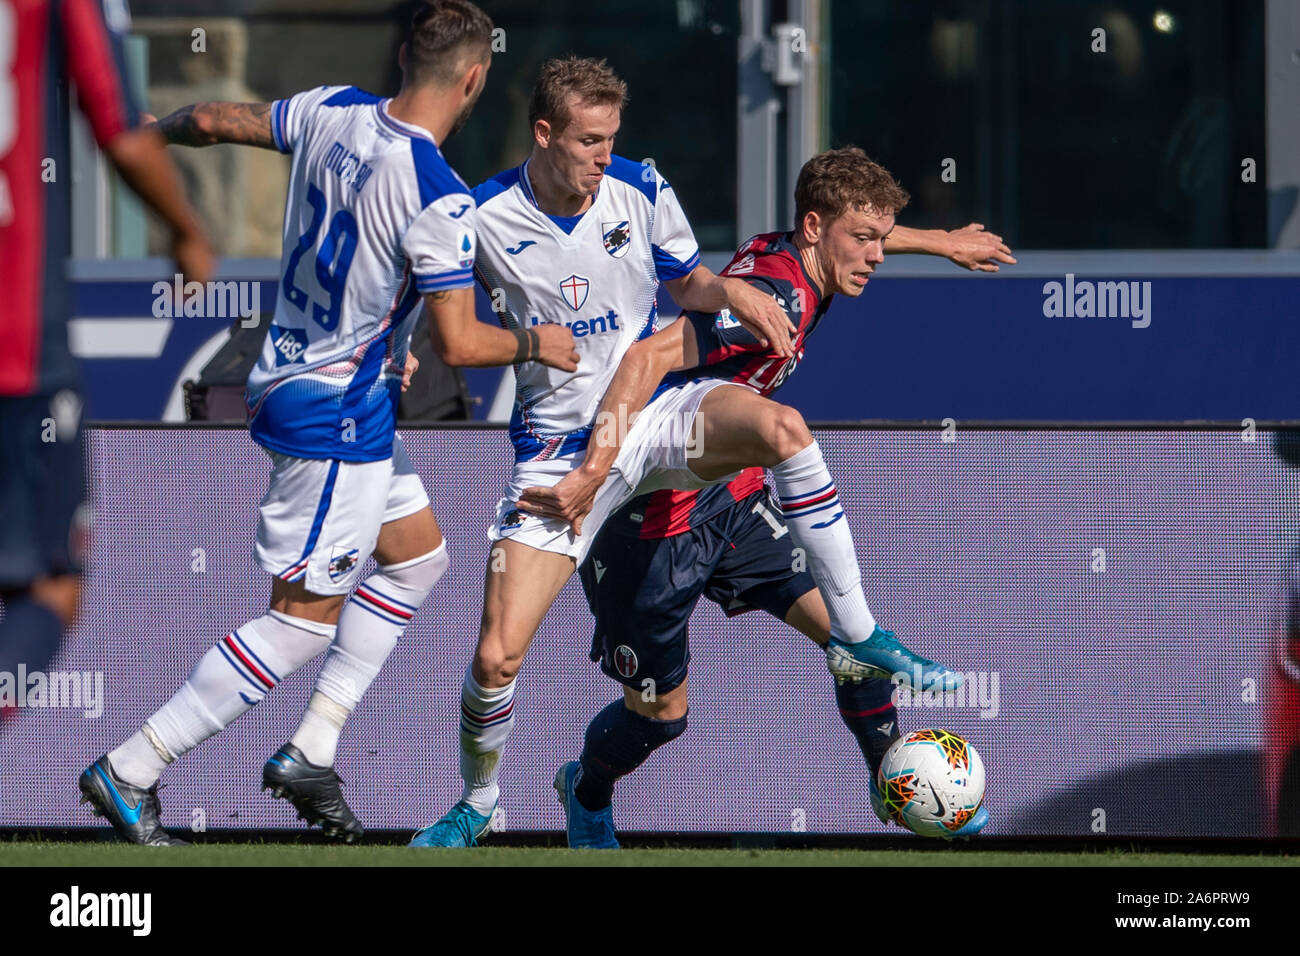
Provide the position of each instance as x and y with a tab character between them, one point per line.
486	717
318	734
372	621
812	511
230	678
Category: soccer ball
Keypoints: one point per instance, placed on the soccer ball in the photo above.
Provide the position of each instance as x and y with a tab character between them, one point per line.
932	782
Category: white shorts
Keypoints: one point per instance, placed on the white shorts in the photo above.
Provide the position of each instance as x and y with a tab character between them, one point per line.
320	519
655	454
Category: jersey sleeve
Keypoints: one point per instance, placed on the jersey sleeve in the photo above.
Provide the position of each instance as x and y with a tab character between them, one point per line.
441	242
676	252
93	31
290	117
719	336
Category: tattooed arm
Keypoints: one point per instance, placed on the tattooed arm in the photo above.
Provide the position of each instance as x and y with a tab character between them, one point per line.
205	124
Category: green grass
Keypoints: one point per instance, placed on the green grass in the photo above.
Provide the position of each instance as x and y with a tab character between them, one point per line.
36	853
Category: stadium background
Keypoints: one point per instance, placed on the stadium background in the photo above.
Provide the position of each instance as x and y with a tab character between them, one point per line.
1127	165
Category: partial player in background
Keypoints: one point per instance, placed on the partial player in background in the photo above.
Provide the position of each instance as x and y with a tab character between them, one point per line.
375	222
659	554
45	45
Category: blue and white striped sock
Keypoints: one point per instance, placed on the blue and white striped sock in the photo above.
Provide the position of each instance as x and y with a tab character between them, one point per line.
229	679
811	507
486	718
372	622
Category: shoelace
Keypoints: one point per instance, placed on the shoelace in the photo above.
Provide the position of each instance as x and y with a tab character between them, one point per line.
896	646
889	640
452	819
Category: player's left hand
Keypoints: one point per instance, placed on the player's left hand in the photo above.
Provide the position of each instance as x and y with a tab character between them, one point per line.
973	248
758	312
570	499
412	366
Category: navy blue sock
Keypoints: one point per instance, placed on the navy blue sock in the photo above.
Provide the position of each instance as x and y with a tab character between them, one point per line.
618	741
29	633
869	712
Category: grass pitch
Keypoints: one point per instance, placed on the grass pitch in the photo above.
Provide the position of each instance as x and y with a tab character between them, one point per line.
81	854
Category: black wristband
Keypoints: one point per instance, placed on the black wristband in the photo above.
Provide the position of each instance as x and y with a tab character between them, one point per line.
529	348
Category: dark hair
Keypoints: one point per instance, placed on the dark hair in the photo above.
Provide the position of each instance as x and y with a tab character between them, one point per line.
443	34
592	81
837	180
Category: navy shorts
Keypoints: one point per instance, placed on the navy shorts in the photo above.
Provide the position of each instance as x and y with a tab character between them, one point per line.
642	591
42	488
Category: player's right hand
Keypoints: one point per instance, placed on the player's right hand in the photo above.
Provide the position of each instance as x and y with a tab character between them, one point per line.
556	347
758	312
194	255
570	499
973	248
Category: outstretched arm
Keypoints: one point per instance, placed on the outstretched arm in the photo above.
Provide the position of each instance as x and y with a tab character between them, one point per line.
969	247
206	124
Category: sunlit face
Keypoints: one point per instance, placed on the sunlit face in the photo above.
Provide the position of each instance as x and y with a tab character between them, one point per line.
850	247
579	154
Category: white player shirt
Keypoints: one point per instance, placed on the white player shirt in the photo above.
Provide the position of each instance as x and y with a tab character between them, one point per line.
597	273
374	218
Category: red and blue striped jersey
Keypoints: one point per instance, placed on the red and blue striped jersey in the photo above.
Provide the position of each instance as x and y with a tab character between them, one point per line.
727	350
44	45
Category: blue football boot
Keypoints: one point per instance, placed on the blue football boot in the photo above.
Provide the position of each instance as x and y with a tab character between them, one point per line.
878	801
592	830
883	655
461	826
133	812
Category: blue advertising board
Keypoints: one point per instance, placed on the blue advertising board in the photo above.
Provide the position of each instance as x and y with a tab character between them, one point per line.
1068	337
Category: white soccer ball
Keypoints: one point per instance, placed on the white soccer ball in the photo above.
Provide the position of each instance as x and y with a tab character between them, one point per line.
932	782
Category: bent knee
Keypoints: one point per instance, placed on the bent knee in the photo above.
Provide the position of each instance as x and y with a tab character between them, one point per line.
495	664
664	707
785	432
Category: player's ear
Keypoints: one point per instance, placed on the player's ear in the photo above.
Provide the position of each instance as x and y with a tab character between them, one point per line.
474	77
811	227
542	133
401	58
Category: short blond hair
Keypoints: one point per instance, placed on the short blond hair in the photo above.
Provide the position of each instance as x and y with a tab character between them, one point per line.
591	81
